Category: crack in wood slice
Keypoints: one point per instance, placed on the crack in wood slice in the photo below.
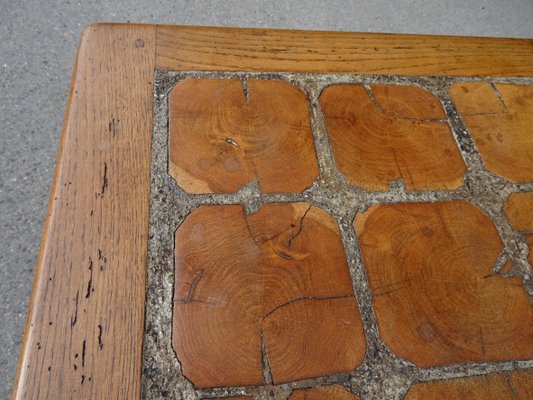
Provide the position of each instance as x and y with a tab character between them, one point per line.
224	134
500	120
437	302
389	133
517	385
333	392
277	277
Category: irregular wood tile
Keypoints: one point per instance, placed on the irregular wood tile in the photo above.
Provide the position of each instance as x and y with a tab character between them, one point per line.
501	386
333	392
224	134
393	137
501	124
519	211
407	102
522	383
476	98
429	267
306	338
237	277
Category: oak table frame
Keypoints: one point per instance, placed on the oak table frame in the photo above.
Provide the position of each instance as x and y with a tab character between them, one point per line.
98	212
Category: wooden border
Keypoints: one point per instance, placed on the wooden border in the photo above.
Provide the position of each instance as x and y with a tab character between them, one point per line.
84	331
233	49
85	325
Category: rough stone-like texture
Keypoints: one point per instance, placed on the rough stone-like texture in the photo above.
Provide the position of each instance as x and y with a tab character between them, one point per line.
383	374
500	119
273	285
334	392
506	386
226	133
430	270
38	46
381	133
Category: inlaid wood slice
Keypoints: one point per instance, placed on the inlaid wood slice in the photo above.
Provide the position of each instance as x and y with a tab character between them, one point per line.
334	392
226	133
437	302
522	383
500	120
407	102
297	334
519	211
396	134
238	277
503	386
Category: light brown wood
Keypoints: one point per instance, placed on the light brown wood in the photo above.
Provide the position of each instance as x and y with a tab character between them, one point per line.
240	279
231	49
334	392
519	211
225	133
83	337
503	133
429	267
390	136
85	325
314	337
522	383
502	386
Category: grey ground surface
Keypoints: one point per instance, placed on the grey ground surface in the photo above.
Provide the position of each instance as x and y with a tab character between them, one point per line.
37	45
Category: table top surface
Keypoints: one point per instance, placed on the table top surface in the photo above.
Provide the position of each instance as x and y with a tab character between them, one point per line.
253	214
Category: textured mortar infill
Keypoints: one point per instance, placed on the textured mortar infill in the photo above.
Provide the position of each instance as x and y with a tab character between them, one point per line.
382	375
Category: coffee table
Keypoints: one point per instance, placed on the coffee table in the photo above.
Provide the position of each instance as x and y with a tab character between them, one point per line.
253	214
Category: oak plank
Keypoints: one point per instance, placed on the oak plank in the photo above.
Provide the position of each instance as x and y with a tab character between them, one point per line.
237	49
519	211
84	331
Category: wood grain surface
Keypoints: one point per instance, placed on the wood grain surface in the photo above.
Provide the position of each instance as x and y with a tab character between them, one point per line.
383	133
429	268
500	119
516	385
225	133
83	337
85	325
231	49
519	211
334	392
272	283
